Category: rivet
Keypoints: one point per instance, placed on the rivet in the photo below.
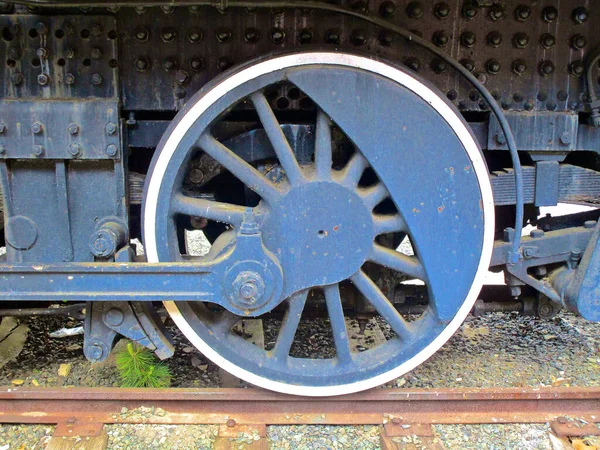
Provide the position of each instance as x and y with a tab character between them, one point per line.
439	65
41	28
468	64
168	34
528	105
37	128
413	64
521	40
497	12
565	138
38	150
386	38
361	7
114	317
224	63
43	79
519	66
142	34
277	35
2	128
415	10
547	40
578	42
523	13
442	10
14	53
167	9
195	36
546	68
16	78
169	64
562	95
580	15
96	53
332	36
142	64
74	150
550	14
96	29
196	64
73	128
251	35
440	38
69	78
2	149
182	77
140	9
467	39
358	37
494	39
97	79
500	138
469	10
70	53
305	36
223	35
111	150
387	9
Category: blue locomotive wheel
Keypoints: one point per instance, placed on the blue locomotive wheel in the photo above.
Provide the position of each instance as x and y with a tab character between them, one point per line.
322	222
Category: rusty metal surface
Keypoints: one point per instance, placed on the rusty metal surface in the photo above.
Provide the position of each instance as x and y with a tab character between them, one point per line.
254	406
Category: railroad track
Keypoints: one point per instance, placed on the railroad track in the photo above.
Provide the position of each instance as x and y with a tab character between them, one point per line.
83	412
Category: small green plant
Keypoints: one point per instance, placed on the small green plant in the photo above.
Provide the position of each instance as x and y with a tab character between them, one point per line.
138	367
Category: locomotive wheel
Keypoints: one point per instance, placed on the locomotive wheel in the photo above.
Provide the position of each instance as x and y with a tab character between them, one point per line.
322	223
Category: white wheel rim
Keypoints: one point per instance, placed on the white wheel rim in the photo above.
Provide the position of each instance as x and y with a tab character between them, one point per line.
337	59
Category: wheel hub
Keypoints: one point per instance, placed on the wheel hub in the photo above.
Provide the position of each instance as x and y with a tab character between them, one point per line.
321	233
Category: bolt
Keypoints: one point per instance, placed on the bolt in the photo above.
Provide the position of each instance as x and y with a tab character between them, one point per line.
97	79
196	64
440	38
2	149
578	42
493	66
195	36
521	40
2	127
223	35
277	35
536	233
37	127
38	150
387	9
74	150
69	78
494	39
580	15
523	13
589	224
549	14
16	78
142	64
575	254
467	39
565	138
42	52
248	288
413	64
14	53
231	423
70	53
500	138
577	69
142	34
111	150
544	311
96	53
248	291
546	68
96	29
442	10
528	252
519	66
547	41
95	352
358	37
43	79
114	317
182	77
196	175
73	128
110	128
168	34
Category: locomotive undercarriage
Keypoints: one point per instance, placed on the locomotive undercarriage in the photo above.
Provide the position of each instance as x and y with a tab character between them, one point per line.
325	162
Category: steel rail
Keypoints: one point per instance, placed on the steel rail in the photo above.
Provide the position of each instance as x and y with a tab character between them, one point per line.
83	406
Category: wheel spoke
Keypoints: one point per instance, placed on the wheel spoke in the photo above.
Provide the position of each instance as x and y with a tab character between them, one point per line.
374	195
395	260
240	168
208	209
289	325
280	144
338	323
354	170
383	306
323	155
389	224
